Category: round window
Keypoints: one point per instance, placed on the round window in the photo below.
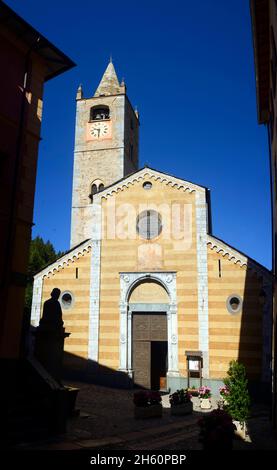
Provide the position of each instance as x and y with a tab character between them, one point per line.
234	303
147	185
149	224
67	300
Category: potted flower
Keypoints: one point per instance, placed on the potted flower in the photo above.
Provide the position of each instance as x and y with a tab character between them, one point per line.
224	392
238	399
180	402
193	391
147	404
217	430
204	394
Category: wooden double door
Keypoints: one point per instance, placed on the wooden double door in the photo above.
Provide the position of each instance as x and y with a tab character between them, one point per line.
150	350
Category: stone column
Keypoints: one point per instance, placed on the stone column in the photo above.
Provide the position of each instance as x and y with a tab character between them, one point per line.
129	345
172	324
36	301
123	364
49	348
202	270
93	342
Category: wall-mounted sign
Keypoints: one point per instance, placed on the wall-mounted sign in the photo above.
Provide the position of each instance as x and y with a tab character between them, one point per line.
194	365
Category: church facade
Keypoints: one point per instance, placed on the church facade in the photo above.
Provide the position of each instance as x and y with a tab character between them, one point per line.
145	281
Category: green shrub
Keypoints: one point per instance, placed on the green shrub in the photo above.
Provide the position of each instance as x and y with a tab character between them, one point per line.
238	400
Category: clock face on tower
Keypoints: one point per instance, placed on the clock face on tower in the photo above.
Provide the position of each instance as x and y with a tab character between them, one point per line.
99	130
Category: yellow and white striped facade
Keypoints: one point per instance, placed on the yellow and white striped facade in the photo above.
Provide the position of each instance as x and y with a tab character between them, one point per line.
194	275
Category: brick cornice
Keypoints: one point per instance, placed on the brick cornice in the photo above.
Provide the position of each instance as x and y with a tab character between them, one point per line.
237	258
65	260
152	175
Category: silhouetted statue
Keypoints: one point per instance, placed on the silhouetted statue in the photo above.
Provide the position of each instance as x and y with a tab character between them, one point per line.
52	312
50	335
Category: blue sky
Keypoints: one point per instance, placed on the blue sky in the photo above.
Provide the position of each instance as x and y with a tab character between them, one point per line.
189	68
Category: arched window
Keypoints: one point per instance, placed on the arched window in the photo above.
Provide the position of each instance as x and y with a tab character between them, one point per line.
98	113
93	189
96	186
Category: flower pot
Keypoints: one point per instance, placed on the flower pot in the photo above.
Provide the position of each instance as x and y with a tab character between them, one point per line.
182	409
205	403
240	429
152	411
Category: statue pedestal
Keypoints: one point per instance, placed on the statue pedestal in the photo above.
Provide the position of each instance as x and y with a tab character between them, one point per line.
49	346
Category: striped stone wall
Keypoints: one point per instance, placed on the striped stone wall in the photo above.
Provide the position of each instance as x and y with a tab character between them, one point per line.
234	336
207	273
121	255
76	319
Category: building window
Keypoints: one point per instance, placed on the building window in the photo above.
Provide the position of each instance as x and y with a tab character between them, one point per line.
96	187
234	304
219	268
67	300
132	124
149	224
147	185
99	113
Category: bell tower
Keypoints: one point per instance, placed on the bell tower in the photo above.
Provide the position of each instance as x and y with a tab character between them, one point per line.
106	147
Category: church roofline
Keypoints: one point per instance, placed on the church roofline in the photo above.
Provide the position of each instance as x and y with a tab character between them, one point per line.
237	256
128	179
74	252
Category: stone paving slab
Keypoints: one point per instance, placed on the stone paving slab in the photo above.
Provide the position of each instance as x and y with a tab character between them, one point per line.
107	421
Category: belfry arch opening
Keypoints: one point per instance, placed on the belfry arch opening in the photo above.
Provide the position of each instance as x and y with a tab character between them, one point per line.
99	113
148	303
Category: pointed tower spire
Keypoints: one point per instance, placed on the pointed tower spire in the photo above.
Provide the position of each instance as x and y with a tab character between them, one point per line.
109	84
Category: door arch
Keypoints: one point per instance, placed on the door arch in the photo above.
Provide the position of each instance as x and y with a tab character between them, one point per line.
148	306
128	282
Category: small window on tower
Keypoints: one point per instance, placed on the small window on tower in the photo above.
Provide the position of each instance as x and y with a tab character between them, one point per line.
96	187
93	191
99	113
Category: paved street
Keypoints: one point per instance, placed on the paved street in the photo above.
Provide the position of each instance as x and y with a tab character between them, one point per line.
106	421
